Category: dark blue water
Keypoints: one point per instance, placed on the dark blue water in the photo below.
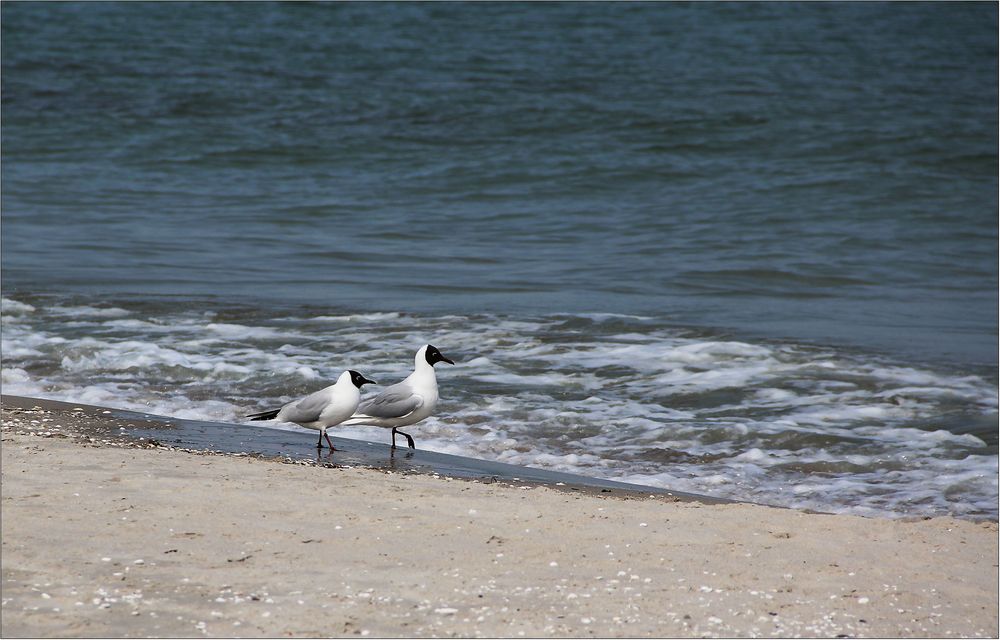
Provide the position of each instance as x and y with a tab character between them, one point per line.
792	208
825	172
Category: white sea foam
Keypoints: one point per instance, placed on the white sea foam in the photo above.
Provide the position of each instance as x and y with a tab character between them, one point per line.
355	317
15	308
611	316
775	423
14	377
86	310
243	332
13	349
135	325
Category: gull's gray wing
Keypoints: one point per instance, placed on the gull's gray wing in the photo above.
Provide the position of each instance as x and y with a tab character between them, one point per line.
306	409
395	402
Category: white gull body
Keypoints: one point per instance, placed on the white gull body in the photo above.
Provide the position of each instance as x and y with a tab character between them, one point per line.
325	408
407	402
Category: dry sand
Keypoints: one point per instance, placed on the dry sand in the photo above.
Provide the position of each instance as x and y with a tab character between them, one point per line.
123	542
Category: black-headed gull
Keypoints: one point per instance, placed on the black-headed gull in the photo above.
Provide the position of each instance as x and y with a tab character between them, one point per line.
325	408
407	402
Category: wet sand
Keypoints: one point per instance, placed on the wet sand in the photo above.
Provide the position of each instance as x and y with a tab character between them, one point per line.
119	427
106	537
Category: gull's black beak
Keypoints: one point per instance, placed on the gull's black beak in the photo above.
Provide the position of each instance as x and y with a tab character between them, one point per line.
367	381
433	356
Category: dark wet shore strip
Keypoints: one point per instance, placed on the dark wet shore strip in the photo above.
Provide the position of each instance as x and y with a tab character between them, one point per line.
107	425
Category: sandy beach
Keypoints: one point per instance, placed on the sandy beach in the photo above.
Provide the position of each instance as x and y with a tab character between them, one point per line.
113	540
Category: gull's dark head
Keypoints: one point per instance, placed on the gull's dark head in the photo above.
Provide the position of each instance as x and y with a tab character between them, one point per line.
359	379
434	356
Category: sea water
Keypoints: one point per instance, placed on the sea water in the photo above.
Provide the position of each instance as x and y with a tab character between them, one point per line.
747	250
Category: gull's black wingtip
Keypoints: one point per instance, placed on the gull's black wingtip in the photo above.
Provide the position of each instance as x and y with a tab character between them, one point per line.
264	415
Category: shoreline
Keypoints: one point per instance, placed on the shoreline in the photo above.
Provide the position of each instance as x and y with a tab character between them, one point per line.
122	541
130	428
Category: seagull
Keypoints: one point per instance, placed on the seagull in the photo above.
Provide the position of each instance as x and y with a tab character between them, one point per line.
407	402
324	408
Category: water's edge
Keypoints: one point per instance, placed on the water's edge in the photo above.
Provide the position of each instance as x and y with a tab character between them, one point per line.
220	437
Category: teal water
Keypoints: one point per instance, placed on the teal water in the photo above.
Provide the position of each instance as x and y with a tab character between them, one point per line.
799	183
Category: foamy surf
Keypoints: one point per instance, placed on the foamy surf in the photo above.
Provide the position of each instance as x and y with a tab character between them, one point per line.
612	396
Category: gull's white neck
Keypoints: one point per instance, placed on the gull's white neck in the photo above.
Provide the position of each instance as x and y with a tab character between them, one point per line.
423	372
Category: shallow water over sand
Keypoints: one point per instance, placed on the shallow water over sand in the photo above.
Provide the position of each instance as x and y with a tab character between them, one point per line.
629	398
